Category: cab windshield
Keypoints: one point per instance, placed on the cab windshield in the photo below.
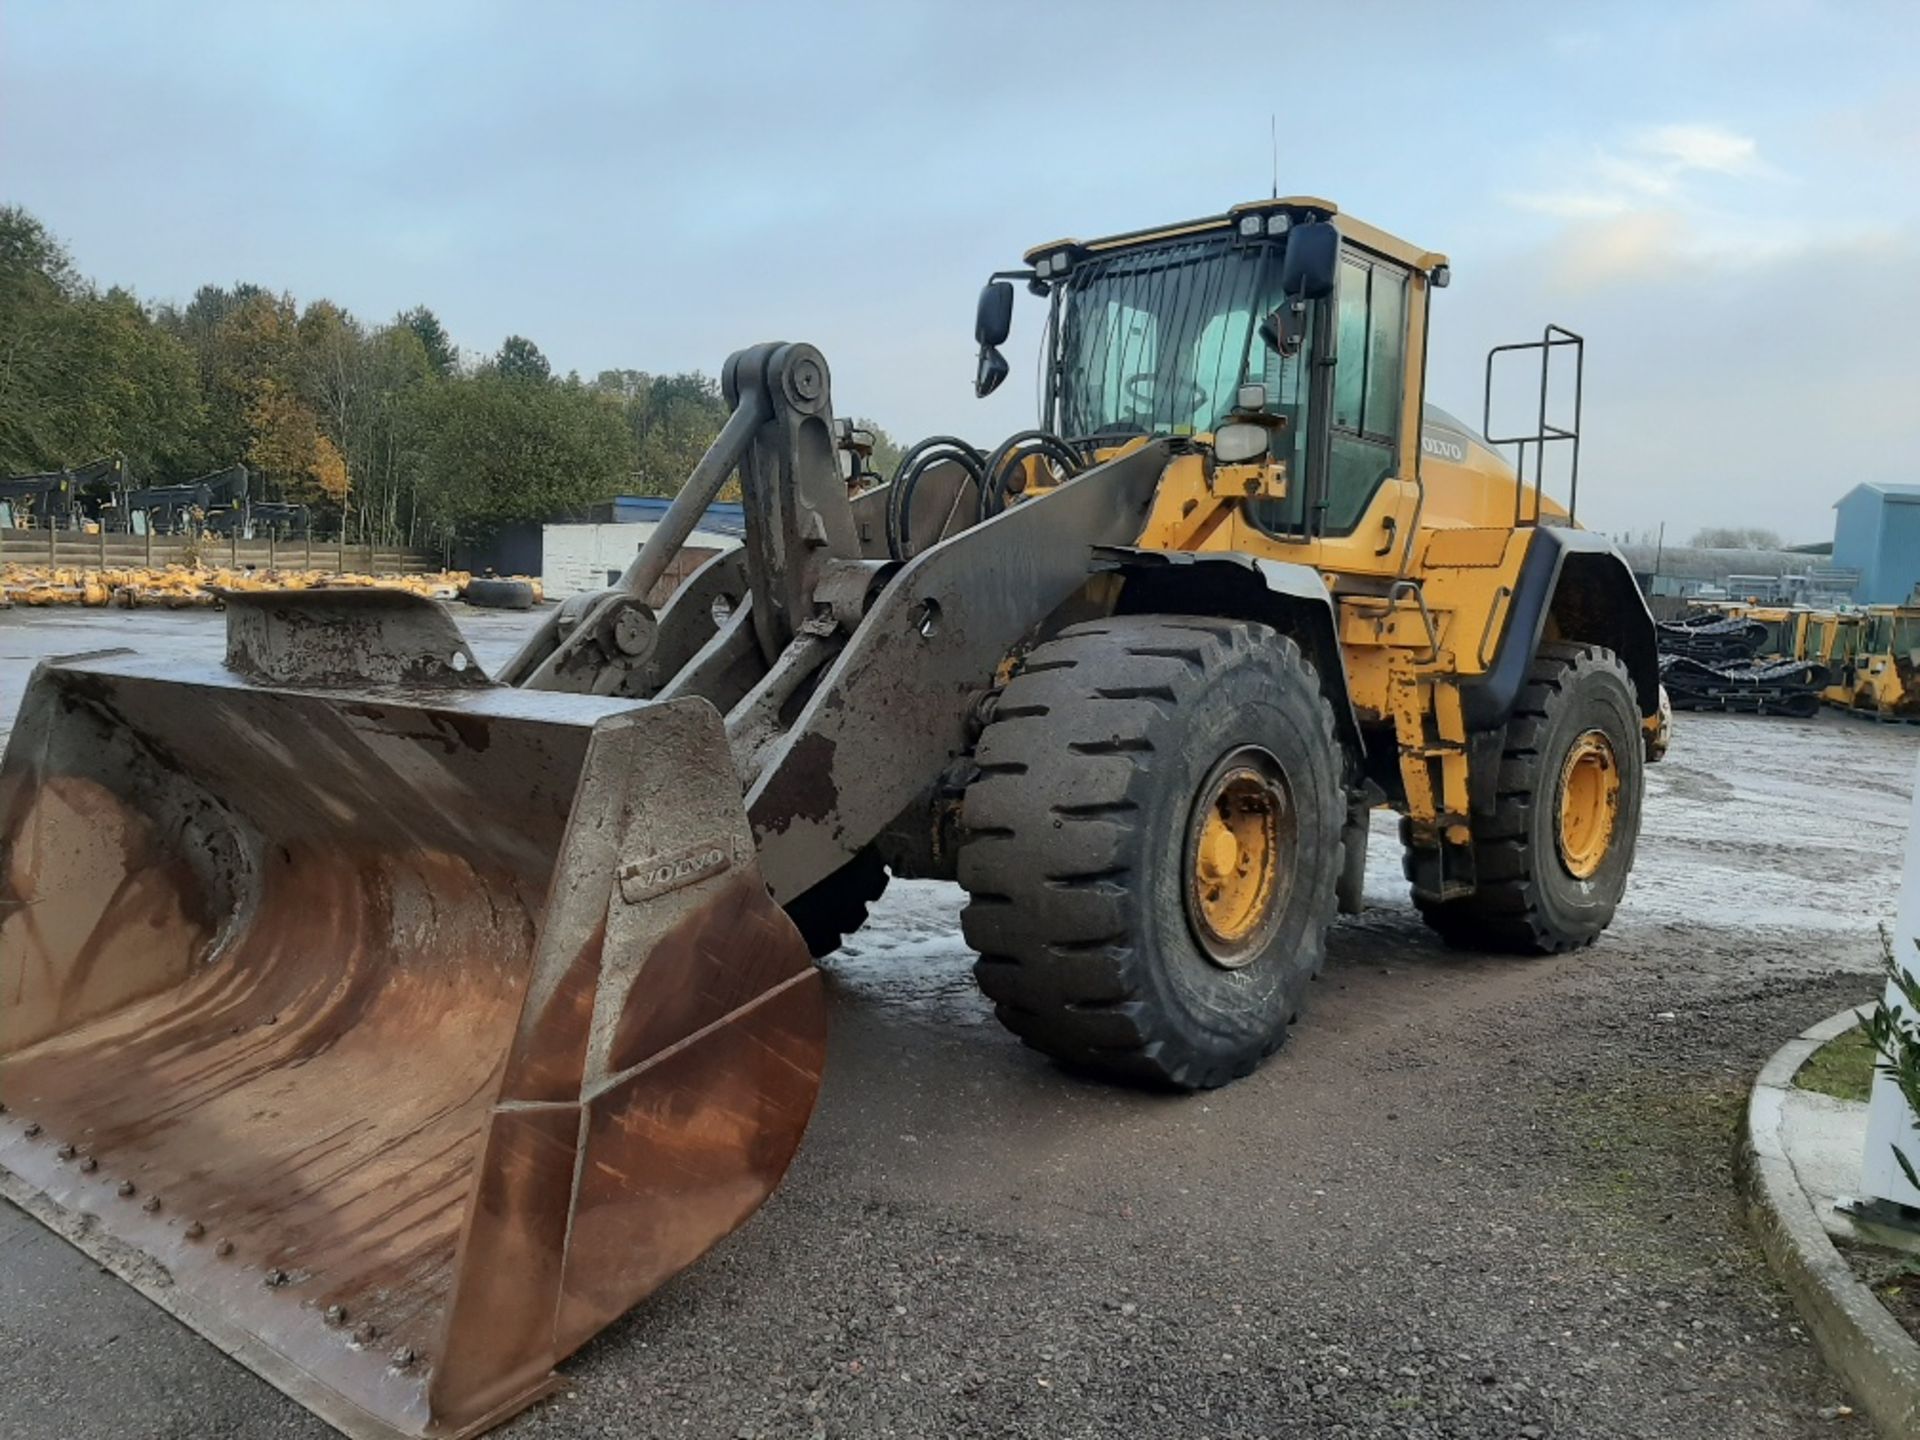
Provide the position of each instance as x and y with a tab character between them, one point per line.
1155	341
1898	635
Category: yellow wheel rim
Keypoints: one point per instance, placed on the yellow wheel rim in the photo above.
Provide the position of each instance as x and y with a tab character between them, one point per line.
1239	856
1589	804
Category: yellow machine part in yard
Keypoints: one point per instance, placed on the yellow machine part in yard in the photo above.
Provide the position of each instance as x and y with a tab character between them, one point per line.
184	587
1886	669
1872	656
396	1036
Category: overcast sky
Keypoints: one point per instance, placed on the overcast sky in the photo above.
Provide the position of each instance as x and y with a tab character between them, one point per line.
1721	197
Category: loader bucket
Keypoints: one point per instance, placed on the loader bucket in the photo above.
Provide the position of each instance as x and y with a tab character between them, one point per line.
394	1029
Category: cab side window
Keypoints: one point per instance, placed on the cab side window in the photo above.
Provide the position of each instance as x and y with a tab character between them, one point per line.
1372	327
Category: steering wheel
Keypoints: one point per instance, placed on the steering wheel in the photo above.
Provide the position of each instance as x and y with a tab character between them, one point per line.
1150	400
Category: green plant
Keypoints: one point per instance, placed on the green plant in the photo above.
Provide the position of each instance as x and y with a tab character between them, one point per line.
1841	1068
1894	1030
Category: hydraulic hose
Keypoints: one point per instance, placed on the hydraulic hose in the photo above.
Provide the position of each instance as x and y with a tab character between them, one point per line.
1017	448
920	458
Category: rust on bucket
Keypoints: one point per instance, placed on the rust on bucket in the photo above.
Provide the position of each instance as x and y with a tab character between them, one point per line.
383	1077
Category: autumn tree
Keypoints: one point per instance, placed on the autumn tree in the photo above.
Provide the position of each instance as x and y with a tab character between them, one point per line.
286	446
885	458
382	429
488	450
83	374
396	363
435	343
520	359
1736	537
672	419
134	389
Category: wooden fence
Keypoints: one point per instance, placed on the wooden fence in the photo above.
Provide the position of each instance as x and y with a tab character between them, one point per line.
118	551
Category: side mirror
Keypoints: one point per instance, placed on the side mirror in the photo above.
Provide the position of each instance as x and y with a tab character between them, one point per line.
993	369
1311	267
993	321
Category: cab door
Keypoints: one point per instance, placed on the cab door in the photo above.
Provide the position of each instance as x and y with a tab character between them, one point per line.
1353	506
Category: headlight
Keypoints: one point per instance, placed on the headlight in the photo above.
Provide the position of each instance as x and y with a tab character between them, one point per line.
1277	224
1043	269
1060	262
1249	225
1238	442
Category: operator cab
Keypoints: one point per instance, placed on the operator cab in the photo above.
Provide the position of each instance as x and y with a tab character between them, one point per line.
1211	329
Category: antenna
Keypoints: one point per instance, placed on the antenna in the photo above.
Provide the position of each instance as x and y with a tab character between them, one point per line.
1273	132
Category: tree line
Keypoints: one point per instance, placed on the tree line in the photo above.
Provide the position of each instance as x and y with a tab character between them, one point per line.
387	431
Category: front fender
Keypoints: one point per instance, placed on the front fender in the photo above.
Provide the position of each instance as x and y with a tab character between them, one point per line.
1291	598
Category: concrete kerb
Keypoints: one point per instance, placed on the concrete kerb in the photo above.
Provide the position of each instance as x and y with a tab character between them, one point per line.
1877	1359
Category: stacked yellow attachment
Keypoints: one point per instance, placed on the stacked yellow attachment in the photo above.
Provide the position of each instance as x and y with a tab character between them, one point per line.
180	587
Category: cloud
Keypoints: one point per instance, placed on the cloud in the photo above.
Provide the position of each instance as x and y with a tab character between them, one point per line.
1654	163
1722	387
1736	396
1699	147
1624	246
1688	194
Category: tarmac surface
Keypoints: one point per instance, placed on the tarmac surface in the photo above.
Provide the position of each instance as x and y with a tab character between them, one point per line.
1471	1197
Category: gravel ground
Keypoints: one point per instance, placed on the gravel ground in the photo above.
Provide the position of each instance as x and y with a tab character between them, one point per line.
1471	1197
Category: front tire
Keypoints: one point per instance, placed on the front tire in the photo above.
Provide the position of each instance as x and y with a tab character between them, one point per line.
1153	843
1551	862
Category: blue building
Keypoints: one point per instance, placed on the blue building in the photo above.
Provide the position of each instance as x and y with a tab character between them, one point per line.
721	518
1876	530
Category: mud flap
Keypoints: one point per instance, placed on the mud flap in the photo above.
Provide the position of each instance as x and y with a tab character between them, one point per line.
397	1038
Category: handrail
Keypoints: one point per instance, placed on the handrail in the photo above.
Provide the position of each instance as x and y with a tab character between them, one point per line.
1551	337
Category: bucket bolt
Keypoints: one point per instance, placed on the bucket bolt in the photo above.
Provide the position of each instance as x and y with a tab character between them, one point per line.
224	1247
276	1278
124	1189
65	1152
403	1358
33	1129
152	1204
195	1230
88	1164
336	1314
367	1333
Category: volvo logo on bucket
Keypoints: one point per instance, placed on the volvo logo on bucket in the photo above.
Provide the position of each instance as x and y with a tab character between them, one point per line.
656	875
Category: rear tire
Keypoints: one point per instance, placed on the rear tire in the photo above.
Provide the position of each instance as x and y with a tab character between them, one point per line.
1094	859
1529	899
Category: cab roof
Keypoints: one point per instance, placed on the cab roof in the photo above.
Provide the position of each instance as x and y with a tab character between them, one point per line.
1298	208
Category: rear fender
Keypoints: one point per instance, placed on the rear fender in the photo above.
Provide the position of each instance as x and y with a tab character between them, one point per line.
1577	580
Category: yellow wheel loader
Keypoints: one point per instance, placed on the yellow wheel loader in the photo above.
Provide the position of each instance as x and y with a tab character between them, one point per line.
398	1026
1883	675
1832	640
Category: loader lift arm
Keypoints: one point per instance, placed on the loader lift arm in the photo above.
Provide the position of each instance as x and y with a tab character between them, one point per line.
830	658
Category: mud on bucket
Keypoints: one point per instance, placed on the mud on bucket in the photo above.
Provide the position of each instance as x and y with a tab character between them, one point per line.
394	1029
